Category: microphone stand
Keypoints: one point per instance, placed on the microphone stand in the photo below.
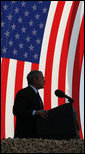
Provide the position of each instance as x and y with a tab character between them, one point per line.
69	99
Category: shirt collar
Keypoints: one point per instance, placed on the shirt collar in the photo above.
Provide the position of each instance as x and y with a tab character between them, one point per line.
36	91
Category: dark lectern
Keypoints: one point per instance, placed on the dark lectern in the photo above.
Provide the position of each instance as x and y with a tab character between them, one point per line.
62	123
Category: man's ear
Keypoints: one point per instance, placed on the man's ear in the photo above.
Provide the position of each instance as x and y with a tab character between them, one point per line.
34	80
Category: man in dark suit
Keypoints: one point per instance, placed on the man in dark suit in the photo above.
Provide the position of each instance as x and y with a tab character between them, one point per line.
28	106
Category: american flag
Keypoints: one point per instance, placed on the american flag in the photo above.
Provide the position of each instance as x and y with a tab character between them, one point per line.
46	36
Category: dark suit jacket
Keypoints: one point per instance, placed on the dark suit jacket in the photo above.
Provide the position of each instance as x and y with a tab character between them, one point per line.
25	102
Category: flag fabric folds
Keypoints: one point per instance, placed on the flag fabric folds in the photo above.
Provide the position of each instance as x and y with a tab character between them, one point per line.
46	36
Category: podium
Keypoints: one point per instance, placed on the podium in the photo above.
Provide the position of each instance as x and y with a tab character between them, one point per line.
62	123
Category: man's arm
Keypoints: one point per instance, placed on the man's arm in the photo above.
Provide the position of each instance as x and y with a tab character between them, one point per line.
20	107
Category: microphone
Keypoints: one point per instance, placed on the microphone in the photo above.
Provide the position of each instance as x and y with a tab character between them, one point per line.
61	94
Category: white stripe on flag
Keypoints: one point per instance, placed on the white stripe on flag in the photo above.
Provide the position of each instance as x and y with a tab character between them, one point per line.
81	98
9	118
1	60
27	69
72	49
57	53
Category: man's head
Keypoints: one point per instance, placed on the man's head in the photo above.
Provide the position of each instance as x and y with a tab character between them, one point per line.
36	79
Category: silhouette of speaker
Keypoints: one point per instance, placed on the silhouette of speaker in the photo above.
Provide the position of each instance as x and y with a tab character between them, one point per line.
62	122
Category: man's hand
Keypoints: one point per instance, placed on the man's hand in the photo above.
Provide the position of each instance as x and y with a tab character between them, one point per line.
42	113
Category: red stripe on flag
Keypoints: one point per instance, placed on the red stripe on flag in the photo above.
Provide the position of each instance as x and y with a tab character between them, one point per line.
77	72
18	79
65	48
4	77
34	67
50	54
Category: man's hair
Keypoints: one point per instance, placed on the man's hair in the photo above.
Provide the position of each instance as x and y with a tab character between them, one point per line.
32	75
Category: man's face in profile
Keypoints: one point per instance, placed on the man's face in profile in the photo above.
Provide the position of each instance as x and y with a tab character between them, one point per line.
40	81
